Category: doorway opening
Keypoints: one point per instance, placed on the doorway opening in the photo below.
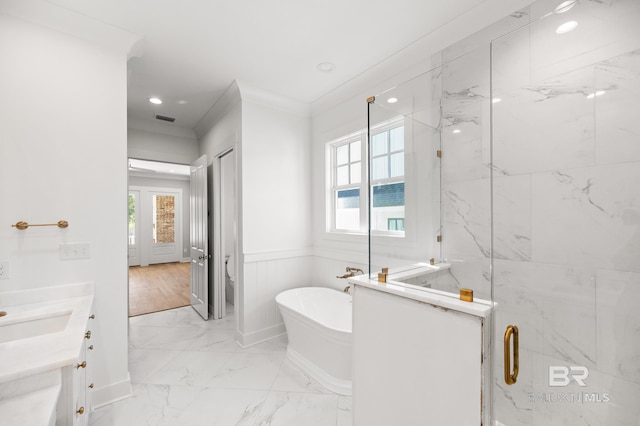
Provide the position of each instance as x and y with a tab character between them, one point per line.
158	233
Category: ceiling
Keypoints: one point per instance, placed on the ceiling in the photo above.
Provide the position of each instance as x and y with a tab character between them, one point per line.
190	51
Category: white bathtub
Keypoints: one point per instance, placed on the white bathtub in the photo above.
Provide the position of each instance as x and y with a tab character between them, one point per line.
318	323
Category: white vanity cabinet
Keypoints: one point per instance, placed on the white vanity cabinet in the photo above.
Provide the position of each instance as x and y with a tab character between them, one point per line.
45	356
74	403
418	357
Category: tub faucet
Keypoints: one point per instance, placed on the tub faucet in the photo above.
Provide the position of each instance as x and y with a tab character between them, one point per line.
351	271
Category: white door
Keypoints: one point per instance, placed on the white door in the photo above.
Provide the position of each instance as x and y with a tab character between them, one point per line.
134	228
199	238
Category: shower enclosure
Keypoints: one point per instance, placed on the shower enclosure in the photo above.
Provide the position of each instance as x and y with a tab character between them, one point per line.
521	164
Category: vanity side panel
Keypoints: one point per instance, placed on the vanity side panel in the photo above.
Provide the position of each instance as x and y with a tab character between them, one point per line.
414	363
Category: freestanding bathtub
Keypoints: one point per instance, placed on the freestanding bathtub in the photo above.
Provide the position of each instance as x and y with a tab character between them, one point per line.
318	323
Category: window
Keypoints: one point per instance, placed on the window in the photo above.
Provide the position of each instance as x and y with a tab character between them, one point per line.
395	224
348	185
347	177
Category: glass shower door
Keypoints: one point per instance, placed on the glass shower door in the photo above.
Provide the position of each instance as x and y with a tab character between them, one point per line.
566	216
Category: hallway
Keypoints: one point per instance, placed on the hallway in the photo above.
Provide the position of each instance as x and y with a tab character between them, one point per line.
158	287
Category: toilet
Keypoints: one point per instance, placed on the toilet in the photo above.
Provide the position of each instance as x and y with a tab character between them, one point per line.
229	278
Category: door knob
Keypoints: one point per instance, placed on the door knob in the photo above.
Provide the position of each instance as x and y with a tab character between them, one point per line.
203	257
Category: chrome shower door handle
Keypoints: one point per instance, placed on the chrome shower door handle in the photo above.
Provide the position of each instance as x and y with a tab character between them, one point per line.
509	376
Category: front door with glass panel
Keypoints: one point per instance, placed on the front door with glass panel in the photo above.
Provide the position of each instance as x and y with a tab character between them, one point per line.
155	225
166	225
133	229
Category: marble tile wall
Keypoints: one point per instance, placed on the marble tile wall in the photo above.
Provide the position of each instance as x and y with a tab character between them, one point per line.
564	202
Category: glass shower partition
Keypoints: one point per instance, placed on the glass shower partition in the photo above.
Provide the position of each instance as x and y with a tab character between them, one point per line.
404	182
565	253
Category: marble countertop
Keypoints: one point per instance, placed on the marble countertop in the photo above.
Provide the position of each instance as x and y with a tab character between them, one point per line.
38	354
479	307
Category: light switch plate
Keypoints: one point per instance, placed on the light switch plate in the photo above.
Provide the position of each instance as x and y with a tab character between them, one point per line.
4	269
69	251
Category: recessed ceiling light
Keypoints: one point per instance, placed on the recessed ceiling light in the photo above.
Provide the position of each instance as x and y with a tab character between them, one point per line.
155	100
496	100
597	93
566	27
392	100
456	131
181	102
326	66
565	6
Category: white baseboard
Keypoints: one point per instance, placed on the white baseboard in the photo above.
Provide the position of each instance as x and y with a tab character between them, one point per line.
110	394
250	339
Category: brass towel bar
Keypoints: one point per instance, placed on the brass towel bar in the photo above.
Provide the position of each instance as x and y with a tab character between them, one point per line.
24	225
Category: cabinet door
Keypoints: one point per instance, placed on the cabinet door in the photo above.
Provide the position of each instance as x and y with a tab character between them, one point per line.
81	412
90	350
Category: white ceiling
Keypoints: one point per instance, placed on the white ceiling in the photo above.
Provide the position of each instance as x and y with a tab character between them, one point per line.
192	50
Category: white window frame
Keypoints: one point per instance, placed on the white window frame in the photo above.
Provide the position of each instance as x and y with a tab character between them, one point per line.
333	188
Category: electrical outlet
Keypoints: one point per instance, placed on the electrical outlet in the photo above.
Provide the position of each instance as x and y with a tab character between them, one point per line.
4	269
69	251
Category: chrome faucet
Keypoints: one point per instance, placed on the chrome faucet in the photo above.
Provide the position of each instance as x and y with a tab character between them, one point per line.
351	271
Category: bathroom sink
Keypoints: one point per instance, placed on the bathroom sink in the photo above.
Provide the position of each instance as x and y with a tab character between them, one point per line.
26	326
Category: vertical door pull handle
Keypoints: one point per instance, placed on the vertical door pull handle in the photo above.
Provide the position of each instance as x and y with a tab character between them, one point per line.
509	376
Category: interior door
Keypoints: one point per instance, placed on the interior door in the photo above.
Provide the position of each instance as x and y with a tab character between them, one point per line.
199	237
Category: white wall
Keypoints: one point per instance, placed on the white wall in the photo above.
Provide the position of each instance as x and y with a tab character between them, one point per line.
344	110
275	159
276	207
148	140
270	136
63	155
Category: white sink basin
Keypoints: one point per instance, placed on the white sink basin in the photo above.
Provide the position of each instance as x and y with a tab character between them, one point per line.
26	326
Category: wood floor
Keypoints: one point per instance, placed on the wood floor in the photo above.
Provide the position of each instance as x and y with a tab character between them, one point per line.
158	287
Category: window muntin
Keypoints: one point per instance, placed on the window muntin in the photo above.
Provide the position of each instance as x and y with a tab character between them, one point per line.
347	178
387	179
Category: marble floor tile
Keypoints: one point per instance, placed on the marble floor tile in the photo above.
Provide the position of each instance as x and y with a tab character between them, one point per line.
148	405
248	371
290	408
344	411
291	379
191	368
224	407
215	339
177	338
186	371
143	363
277	344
